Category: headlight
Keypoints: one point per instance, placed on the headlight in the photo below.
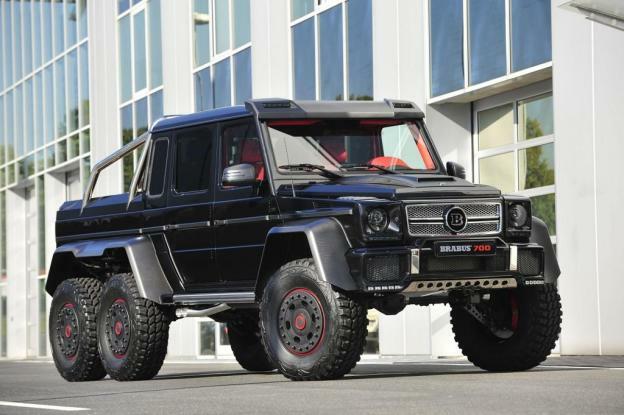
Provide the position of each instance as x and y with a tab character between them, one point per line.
377	220
518	216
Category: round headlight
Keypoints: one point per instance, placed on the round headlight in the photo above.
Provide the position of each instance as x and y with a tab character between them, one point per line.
518	216
378	220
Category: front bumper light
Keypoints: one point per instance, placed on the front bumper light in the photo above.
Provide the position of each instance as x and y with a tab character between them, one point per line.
518	220
377	220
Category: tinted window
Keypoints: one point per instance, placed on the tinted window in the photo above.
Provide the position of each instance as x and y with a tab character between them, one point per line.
241	145
530	33
159	167
193	160
360	49
487	40
304	82
330	51
447	42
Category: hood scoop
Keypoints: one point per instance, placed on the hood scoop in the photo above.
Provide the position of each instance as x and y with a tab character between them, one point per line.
401	180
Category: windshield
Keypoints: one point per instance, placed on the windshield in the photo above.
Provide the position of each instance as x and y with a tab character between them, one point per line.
351	144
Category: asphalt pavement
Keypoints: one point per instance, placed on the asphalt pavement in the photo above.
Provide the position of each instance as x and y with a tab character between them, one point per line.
581	385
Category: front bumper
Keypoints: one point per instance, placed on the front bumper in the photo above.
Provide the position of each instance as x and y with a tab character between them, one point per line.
394	269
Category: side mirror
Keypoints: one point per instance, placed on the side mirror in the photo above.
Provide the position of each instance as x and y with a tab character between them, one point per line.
455	170
239	175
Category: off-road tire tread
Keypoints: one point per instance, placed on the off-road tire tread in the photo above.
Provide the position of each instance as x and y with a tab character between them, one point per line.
246	342
347	347
89	366
537	342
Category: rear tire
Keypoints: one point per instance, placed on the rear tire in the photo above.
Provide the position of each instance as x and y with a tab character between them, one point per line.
309	330
133	332
528	330
73	329
246	342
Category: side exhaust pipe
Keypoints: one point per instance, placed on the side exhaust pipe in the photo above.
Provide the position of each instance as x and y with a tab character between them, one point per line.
206	312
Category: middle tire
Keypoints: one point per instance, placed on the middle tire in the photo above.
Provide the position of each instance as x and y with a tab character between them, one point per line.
133	332
309	330
246	344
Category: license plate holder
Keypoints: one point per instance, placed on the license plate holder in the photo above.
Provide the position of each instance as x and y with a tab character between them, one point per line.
464	248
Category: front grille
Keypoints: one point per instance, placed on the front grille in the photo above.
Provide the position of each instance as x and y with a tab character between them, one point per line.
427	218
529	262
383	268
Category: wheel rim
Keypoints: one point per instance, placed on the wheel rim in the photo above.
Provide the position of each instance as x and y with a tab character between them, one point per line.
67	331
118	328
301	322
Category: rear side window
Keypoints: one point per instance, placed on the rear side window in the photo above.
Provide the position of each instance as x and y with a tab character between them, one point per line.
159	167
193	150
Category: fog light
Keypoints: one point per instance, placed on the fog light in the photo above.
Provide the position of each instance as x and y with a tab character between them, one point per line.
378	220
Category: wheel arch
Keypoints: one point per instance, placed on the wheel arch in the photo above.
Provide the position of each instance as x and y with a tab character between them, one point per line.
324	240
135	252
540	236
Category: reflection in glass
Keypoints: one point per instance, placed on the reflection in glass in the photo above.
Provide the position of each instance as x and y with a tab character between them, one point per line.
59	26
19	120
10	131
8	30
36	13
360	53
530	33
201	25
126	124
46	27
61	152
495	126
85	141
535	117
544	208
203	90
330	54
207	338
498	171
125	59
241	21
72	89
304	76
28	111
300	8
156	106
536	166
155	43
71	22
487	40
140	54
122	5
221	84
242	76
73	149
59	94
27	20
48	89
83	23
83	68
446	46
17	39
222	25
140	115
38	110
2	138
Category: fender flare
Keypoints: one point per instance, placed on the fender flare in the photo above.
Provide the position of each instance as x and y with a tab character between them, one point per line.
540	236
328	245
150	278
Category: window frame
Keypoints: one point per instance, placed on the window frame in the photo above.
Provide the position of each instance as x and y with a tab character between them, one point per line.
174	157
150	166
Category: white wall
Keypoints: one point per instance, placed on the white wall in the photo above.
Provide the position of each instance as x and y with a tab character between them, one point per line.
588	88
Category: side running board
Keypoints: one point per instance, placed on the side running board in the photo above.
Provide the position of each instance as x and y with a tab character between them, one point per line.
240	297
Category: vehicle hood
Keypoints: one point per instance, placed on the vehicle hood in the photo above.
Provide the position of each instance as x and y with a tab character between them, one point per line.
393	186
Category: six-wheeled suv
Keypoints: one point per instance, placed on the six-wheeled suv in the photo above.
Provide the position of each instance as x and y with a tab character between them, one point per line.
288	220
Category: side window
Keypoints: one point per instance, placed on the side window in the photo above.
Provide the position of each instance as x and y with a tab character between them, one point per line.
158	169
192	171
240	144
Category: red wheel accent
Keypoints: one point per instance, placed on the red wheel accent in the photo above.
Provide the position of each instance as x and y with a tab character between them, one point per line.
118	328
68	331
514	311
298	311
300	322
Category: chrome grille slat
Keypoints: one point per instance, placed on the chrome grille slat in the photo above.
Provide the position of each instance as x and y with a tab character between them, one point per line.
484	217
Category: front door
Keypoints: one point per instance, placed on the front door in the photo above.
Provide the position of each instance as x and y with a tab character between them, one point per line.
242	214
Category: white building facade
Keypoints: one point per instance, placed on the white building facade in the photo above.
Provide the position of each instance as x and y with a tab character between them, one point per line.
526	94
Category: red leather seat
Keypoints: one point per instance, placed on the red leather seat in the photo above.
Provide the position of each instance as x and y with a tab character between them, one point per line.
252	154
336	148
385	161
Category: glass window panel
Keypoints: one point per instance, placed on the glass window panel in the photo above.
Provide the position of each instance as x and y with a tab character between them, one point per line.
11	174
536	166
50	156
126	124
159	167
222	25
242	24
155	43
19	120
360	58
128	171
122	5
40	161
17	39
224	339
83	72
206	338
446	46
61	152
46	28
498	171
38	110
29	165
300	8
222	84
487	40
85	141
36	11
43	315
330	54
6	29
10	123
372	339
2	134
27	26
125	59
201	26
242	76
304	76
495	126
140	115
29	132
535	117
72	89
203	90
544	208
193	170
73	149
48	92
140	54
83	21
71	19
59	26
59	93
156	106
530	33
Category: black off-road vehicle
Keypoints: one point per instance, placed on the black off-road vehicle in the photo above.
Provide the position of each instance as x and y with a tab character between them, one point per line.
288	220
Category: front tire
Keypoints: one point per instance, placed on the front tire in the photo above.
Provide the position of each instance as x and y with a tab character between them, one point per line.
73	329
246	342
133	332
309	330
523	326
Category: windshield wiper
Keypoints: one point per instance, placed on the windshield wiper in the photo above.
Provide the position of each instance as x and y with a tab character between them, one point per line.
355	166
312	168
